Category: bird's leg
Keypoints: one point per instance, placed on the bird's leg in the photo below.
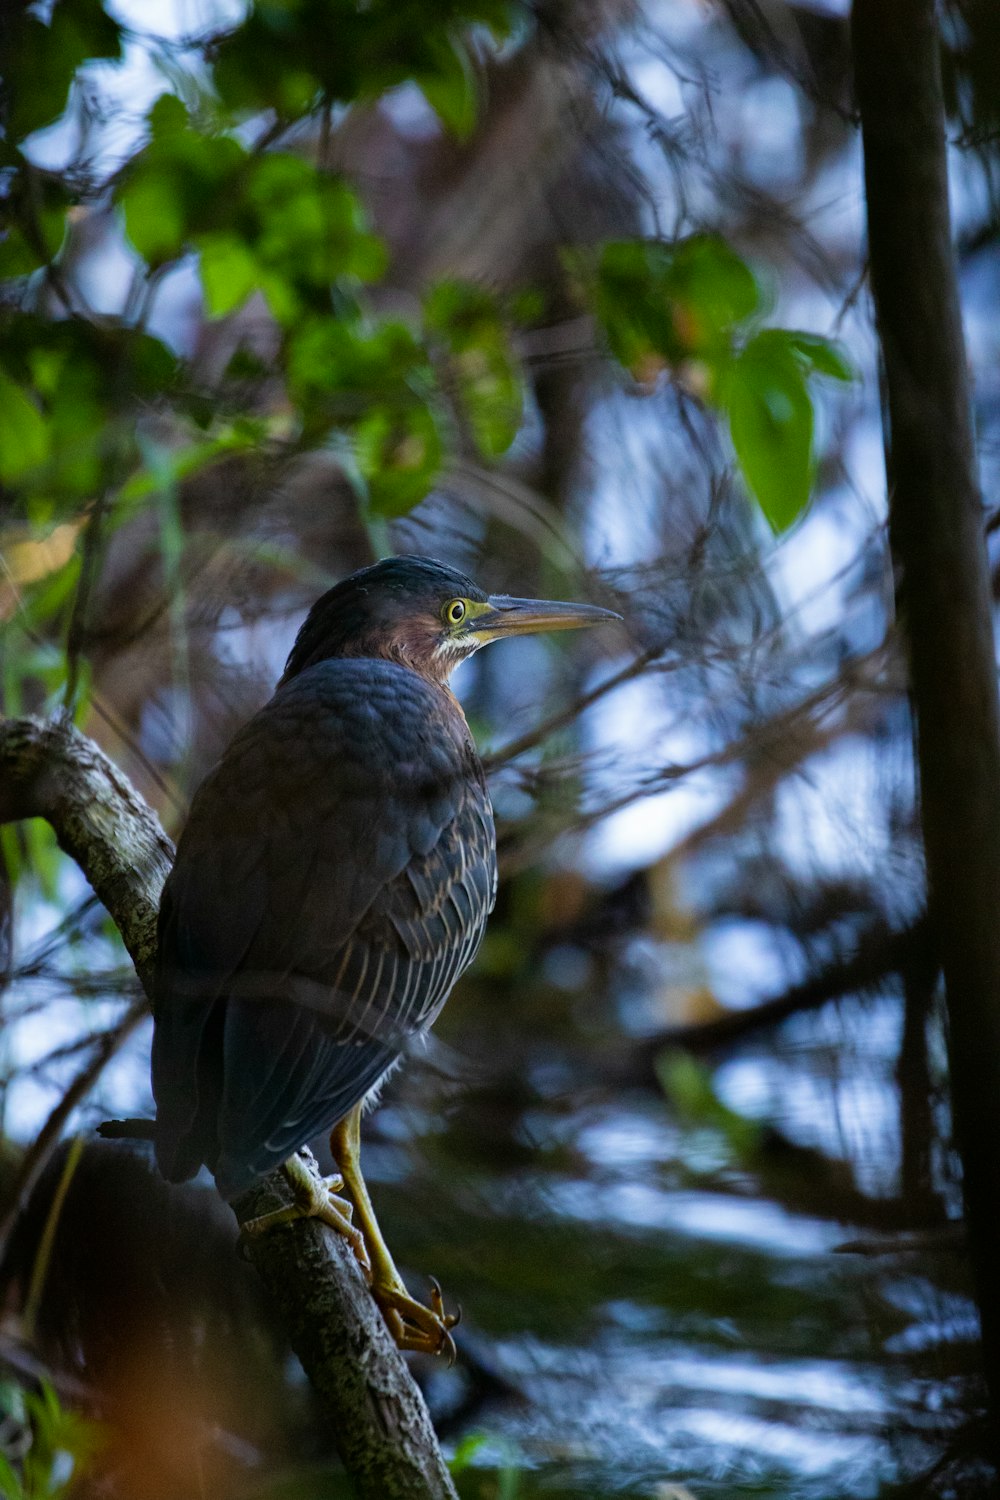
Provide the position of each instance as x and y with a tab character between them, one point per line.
316	1198
412	1325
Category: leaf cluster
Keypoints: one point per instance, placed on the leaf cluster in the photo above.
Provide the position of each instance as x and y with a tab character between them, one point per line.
99	413
342	52
693	307
228	174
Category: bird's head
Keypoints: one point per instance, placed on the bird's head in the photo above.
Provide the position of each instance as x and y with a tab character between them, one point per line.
428	616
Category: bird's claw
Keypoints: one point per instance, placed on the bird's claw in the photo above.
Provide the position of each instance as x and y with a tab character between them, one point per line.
425	1330
316	1198
338	1213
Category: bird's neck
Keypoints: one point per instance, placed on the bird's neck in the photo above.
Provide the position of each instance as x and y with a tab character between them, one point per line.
434	671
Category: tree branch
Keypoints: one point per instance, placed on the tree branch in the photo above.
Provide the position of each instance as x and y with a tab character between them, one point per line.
381	1426
52	771
878	954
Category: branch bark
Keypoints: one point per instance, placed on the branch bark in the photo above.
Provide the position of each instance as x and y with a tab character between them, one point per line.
943	597
381	1426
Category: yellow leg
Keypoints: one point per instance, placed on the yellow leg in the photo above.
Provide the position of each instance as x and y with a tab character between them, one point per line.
412	1325
316	1198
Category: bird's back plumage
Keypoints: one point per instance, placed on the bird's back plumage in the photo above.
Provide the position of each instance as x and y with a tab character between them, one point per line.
333	881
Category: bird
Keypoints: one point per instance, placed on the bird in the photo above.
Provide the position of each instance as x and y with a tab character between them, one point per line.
332	881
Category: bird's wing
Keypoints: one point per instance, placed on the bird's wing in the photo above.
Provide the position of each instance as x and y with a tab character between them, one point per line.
294	1069
333	881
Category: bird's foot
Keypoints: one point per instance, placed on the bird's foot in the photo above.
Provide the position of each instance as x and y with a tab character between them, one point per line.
315	1198
427	1330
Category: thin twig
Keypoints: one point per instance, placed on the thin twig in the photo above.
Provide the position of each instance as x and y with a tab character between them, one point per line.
39	1153
43	1255
564	716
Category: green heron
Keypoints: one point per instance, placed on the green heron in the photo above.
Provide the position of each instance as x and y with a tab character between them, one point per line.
332	883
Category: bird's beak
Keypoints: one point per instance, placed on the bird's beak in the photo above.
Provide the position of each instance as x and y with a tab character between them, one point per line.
504	616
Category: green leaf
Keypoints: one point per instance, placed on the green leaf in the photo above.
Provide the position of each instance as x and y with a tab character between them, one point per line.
712	288
43	853
10	1484
451	89
228	272
152	367
68	398
310	228
18	257
34	207
167	116
771	423
284	303
155	222
661	303
335	369
490	388
632	304
485	373
41	59
24	439
268	61
182	184
398	454
466	1451
821	356
688	1086
285	55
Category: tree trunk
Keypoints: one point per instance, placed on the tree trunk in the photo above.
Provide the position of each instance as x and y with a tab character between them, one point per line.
943	598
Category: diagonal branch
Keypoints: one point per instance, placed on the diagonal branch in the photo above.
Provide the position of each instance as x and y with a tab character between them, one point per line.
380	1423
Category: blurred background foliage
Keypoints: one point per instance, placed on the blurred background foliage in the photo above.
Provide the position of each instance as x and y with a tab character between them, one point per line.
571	295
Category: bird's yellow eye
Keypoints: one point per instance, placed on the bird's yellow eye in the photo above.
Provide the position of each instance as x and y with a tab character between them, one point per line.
455	612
